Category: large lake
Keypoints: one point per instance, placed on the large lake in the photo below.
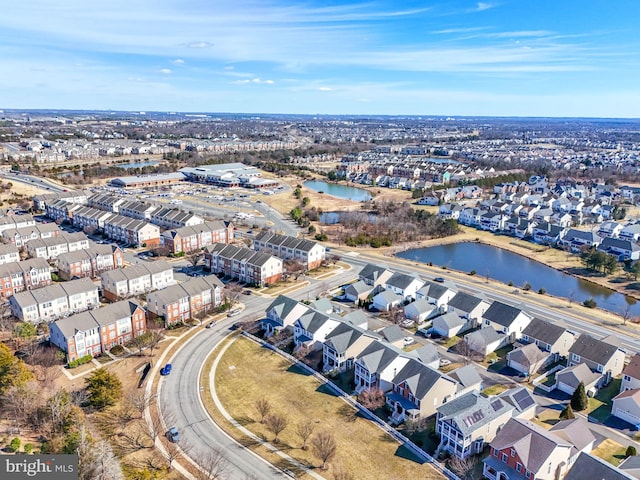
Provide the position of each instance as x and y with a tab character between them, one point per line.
508	267
338	190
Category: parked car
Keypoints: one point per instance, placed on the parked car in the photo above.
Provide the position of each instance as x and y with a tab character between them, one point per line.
423	331
210	324
233	313
173	434
408	341
166	370
444	362
406	323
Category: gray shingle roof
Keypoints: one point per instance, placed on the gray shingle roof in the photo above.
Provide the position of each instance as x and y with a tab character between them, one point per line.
543	331
593	468
464	302
420	378
472	410
592	349
501	313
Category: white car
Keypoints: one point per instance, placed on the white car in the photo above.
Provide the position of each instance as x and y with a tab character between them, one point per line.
408	341
444	362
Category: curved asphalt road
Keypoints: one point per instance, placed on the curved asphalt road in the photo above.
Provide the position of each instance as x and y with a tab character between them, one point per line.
179	396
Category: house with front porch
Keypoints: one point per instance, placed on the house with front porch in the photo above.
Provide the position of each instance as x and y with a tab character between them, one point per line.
312	328
377	365
343	344
282	313
417	391
622	249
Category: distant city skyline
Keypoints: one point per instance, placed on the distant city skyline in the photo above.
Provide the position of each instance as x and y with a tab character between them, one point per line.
546	58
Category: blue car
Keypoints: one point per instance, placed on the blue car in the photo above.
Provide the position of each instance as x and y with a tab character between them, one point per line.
166	370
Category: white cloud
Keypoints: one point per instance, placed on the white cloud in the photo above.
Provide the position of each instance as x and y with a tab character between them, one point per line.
255	80
178	61
199	45
166	71
325	89
482	6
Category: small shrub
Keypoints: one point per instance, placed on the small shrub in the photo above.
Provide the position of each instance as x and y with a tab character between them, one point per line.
526	287
28	448
15	444
80	361
472	272
117	350
631	451
590	303
542	291
510	284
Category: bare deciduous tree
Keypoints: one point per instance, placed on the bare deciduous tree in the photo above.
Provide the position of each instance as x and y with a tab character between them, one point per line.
341	473
195	257
139	400
304	430
155	337
232	291
213	466
276	424
463	468
324	447
372	398
263	406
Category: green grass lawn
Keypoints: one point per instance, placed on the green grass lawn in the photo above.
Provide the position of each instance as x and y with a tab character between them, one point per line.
451	342
248	372
495	390
600	405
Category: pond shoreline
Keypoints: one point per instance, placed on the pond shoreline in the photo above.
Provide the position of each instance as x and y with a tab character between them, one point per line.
524	252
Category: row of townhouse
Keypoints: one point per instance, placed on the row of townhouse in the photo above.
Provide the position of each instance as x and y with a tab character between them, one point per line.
97	331
16	221
19	276
55	301
90	262
88	218
51	248
156	214
192	238
20	236
185	301
40	202
243	264
134	232
310	253
136	280
413	386
9	253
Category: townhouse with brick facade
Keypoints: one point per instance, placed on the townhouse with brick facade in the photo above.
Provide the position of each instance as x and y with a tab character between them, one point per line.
60	211
180	303
9	253
19	276
96	331
175	218
310	253
55	301
132	231
91	262
20	236
191	238
136	279
50	248
243	264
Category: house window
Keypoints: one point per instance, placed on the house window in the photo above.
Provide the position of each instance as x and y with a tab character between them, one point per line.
548	348
600	368
575	358
627	378
513	452
518	467
504	457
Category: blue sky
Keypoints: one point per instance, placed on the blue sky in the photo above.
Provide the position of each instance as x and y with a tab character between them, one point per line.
504	57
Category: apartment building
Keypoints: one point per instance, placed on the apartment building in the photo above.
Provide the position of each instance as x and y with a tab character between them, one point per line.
89	218
18	276
94	332
136	209
50	248
136	280
106	201
180	303
90	262
191	238
79	197
20	236
55	301
60	210
243	264
310	253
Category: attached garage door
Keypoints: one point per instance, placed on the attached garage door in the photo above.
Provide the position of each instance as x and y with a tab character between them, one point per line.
626	416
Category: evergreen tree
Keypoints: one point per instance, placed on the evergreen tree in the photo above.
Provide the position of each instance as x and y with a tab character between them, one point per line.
567	413
631	451
579	400
104	388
